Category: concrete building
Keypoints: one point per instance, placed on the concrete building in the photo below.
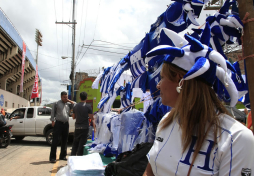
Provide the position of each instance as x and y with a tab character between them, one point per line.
11	47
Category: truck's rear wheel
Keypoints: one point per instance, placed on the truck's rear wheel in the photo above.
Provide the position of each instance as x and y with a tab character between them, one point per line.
49	136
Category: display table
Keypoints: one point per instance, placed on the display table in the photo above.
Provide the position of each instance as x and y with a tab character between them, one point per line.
105	160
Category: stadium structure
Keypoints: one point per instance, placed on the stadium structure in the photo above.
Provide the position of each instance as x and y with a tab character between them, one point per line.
11	47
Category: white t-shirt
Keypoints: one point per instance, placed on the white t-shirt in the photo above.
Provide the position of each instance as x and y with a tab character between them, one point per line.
233	155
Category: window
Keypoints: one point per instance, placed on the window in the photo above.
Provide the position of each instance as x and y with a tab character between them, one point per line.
44	112
30	113
6	104
18	114
18	105
12	105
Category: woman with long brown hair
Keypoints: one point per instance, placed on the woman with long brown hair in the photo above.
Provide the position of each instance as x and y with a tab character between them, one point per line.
197	137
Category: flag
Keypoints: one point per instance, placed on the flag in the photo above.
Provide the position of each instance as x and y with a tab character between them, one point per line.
35	92
41	94
23	67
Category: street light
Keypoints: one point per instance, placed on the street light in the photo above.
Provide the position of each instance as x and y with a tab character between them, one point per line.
64	57
72	76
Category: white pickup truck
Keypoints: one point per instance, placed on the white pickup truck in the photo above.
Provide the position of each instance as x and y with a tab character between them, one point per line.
34	121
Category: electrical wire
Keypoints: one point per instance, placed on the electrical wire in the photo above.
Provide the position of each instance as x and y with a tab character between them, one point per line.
93	34
79	52
83	54
111	43
106	47
86	53
52	67
45	54
104	51
81	21
96	19
62	25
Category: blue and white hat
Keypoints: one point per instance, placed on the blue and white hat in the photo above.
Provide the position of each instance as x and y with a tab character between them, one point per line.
200	61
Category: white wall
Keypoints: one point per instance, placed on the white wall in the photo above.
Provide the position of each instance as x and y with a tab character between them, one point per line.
10	99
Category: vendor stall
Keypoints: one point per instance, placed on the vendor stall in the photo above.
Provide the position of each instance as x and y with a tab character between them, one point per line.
123	131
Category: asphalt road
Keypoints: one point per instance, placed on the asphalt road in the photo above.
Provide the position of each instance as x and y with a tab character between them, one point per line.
29	157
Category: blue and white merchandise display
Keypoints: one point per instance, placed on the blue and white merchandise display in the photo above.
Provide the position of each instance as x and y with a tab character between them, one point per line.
115	126
131	123
232	155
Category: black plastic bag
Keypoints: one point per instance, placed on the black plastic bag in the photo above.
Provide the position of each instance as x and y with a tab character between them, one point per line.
131	162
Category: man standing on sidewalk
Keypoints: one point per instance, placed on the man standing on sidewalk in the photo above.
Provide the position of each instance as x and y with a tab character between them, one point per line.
81	112
60	123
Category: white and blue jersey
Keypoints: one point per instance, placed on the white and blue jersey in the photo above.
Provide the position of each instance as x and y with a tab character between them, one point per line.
137	61
116	74
126	95
106	79
153	79
140	82
232	155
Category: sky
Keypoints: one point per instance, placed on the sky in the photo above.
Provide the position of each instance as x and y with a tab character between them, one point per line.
113	26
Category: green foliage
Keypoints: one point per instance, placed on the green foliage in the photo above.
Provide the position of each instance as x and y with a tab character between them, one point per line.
239	106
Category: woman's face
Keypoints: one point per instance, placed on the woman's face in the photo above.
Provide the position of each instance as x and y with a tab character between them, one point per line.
168	91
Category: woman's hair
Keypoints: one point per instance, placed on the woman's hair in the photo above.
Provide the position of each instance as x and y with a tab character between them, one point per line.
196	109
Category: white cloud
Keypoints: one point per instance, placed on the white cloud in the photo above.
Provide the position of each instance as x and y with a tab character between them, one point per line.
121	22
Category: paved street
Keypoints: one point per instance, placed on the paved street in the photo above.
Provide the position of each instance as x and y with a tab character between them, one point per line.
29	157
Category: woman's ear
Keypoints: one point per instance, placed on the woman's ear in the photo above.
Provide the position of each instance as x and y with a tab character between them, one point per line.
179	77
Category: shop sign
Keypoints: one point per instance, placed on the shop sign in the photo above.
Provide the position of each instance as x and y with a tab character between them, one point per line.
1	100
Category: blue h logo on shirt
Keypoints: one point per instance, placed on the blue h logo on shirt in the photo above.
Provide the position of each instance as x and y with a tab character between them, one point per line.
207	154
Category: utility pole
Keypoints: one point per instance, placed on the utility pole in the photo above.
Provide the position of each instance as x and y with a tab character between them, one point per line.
38	40
73	48
247	45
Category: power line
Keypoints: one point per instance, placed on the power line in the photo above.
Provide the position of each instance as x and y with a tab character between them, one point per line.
111	43
104	50
52	67
85	21
81	21
84	53
79	52
97	19
45	55
94	32
106	47
55	8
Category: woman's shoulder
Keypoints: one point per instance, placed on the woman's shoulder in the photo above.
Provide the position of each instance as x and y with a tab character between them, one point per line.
234	128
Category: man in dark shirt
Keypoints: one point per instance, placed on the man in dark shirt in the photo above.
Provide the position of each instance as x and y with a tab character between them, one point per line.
60	123
81	113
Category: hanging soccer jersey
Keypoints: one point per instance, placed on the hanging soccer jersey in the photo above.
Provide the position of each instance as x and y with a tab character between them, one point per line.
107	79
96	81
126	95
115	125
153	80
131	122
156	111
140	82
137	55
116	74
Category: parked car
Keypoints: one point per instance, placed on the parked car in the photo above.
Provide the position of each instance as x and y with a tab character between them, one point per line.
34	121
